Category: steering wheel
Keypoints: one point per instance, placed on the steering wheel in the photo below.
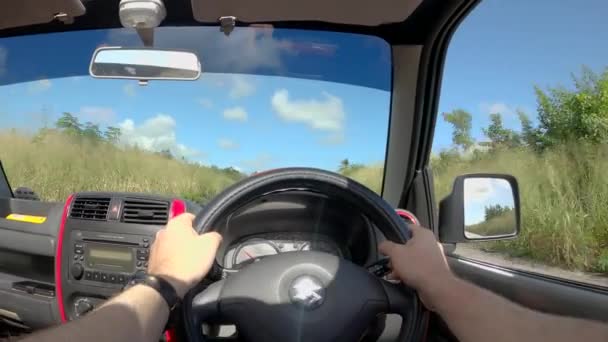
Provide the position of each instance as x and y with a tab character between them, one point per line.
307	295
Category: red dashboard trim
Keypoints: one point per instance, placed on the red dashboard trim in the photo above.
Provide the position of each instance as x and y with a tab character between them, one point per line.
178	207
58	271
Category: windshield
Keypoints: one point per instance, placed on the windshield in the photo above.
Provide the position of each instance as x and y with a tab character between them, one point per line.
267	98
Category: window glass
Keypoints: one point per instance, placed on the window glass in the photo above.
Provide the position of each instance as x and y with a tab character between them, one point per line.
267	98
525	92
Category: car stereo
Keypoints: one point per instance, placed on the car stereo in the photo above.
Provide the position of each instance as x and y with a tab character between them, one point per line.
108	258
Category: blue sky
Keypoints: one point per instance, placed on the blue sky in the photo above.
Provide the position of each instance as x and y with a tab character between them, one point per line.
504	48
341	110
480	193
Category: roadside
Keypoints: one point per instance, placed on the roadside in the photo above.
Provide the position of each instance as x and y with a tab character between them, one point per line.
473	252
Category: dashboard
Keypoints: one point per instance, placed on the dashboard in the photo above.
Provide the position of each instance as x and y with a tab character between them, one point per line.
96	242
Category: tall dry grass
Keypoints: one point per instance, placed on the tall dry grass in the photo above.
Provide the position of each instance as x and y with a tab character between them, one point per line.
564	199
57	166
564	192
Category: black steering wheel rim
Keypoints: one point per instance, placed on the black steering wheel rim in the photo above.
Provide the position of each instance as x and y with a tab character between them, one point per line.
328	183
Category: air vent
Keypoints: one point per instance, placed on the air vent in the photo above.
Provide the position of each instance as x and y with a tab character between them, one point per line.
145	211
90	208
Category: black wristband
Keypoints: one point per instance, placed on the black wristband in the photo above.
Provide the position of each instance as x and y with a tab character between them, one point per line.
163	287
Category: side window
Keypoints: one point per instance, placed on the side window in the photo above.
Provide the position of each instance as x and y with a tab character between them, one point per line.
525	92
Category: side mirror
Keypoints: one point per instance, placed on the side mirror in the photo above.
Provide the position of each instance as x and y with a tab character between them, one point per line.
480	207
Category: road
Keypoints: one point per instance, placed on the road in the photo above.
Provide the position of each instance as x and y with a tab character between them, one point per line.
470	251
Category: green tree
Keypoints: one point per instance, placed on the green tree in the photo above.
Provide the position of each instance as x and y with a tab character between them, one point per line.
112	134
69	124
461	123
529	135
91	131
499	135
580	114
496	211
344	165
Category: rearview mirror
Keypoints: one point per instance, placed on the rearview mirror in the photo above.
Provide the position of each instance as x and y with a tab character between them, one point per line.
144	64
480	207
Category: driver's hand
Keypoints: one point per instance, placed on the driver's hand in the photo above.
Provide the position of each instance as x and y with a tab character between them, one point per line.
180	255
420	263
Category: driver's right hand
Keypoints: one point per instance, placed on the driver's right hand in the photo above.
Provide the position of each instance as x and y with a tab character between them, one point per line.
420	263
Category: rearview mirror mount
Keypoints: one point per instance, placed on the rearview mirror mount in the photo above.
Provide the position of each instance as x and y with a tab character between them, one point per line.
144	64
481	207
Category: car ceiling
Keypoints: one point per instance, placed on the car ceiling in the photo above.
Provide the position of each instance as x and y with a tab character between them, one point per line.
403	22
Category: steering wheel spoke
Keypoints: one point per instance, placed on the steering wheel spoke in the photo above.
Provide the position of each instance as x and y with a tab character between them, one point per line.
205	305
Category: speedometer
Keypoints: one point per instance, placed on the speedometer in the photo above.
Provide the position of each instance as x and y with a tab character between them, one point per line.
253	250
320	246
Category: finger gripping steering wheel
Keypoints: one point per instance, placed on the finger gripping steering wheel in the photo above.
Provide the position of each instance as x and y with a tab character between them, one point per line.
302	296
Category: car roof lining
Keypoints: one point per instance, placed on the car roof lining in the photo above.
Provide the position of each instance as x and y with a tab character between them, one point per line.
103	14
382	11
31	12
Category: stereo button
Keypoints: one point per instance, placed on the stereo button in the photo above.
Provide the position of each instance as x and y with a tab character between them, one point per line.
77	271
88	275
121	279
112	278
104	277
96	276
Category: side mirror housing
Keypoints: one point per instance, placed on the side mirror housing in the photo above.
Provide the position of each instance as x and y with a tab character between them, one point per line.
481	207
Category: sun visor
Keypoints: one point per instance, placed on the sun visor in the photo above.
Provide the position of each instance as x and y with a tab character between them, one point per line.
354	12
32	12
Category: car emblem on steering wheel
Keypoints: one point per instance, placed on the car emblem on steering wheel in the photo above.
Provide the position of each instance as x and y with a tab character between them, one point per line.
307	292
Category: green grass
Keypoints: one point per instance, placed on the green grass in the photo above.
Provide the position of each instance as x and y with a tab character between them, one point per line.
58	166
564	192
564	198
495	226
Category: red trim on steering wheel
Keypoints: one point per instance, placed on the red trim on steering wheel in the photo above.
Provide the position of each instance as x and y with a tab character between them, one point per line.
408	216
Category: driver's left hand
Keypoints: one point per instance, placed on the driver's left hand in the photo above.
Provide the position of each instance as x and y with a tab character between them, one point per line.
180	255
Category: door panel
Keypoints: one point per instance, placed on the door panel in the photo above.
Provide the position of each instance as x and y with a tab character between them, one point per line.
535	291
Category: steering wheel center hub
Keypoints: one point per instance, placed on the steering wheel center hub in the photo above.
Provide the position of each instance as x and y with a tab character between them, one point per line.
307	292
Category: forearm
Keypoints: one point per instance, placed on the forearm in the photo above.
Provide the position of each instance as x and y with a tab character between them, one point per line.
475	314
138	314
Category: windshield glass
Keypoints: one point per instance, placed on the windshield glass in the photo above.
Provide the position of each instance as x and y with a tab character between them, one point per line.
267	98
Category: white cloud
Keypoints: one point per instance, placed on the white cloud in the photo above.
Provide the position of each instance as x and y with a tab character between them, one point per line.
227	144
477	189
155	134
102	115
245	50
326	114
39	86
482	190
259	163
497	107
129	89
236	114
205	103
3	60
240	87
